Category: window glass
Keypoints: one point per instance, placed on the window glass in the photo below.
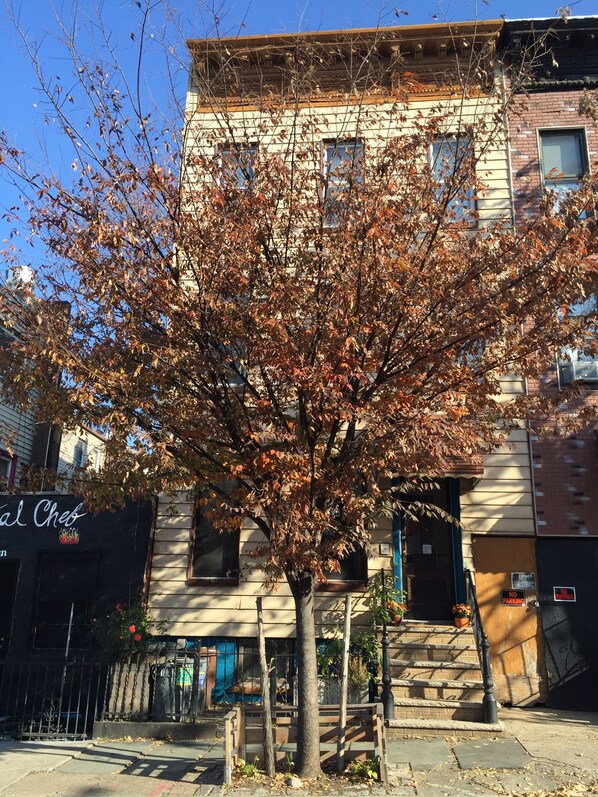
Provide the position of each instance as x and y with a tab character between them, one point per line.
236	163
215	553
451	162
353	567
6	471
343	166
581	365
562	155
562	160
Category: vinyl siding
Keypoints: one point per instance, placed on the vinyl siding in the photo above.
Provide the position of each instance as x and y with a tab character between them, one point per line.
231	610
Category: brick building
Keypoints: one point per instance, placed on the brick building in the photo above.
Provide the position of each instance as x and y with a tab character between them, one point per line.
553	143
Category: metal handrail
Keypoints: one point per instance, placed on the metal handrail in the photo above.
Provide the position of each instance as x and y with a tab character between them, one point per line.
483	645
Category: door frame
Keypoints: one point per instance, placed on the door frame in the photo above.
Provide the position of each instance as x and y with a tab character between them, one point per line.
454	507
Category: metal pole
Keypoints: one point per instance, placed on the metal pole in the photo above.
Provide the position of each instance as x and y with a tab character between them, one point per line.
388	701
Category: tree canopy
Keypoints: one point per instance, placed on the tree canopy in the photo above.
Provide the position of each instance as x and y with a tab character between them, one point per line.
287	312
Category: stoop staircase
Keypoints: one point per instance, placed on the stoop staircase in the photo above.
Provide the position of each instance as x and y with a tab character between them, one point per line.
436	682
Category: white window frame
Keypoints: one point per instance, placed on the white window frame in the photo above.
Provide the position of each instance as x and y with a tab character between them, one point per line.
232	151
464	208
338	184
575	366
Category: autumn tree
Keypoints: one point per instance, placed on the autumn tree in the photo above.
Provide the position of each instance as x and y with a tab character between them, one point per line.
309	298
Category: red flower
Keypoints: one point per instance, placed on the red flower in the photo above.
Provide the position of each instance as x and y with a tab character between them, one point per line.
132	629
137	637
119	607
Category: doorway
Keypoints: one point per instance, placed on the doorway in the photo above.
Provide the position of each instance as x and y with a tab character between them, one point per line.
428	546
9	575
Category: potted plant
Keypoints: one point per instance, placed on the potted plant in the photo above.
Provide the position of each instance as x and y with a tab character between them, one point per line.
385	602
461	614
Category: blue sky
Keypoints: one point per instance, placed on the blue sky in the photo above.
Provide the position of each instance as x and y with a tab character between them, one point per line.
21	107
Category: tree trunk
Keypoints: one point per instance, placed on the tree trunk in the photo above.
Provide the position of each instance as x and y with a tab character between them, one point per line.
308	721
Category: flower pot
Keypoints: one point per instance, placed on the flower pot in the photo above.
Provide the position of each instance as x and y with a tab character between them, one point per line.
398	619
461	622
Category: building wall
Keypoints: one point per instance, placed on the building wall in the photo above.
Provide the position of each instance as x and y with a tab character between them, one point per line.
231	610
565	468
91	446
501	503
17	430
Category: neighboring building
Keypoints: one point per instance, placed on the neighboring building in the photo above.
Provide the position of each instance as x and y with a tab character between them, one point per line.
57	557
203	582
553	144
81	448
28	443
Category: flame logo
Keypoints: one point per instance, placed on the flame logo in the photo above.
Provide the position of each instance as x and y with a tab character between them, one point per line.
70	537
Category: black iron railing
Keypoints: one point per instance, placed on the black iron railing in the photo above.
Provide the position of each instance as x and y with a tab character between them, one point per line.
49	700
483	646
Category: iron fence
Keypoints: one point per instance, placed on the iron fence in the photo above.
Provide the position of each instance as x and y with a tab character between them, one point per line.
174	683
49	700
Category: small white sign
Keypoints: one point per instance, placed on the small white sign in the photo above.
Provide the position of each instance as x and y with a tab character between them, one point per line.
426	549
523	581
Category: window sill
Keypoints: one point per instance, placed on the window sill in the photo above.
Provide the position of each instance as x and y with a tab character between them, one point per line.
341	586
203	581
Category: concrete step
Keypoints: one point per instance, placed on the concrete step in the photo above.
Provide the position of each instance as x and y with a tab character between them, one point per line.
399	728
419	708
432	634
429	651
436	670
438	689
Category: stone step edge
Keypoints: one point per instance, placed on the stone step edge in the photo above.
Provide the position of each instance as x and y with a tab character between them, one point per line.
422	702
432	682
446	725
433	646
430	629
436	665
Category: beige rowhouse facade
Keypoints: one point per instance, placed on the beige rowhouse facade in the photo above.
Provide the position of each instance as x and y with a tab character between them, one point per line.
493	499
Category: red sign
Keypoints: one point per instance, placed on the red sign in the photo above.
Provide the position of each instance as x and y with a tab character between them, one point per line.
512	597
564	594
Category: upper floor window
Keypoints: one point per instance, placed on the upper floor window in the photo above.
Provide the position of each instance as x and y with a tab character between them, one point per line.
215	553
237	165
343	167
453	168
581	365
562	158
7	470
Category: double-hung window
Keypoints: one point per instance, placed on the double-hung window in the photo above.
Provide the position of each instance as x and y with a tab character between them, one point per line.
214	552
343	168
581	365
237	166
563	159
452	163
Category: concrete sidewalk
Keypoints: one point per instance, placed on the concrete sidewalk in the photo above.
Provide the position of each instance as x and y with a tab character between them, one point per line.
544	753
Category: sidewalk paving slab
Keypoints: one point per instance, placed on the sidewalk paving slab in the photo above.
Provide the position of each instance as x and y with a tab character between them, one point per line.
420	754
491	754
106	759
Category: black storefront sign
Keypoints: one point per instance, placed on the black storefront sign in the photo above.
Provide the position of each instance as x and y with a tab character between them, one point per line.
62	565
